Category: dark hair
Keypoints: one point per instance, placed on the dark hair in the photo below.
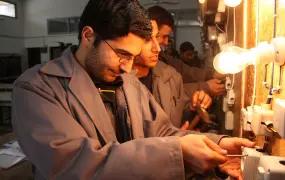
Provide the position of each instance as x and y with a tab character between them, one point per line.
111	19
161	16
186	46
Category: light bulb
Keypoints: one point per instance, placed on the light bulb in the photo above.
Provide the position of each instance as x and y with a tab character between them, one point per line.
233	60
232	3
202	1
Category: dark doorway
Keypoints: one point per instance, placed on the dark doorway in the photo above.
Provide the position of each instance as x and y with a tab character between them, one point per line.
55	52
34	56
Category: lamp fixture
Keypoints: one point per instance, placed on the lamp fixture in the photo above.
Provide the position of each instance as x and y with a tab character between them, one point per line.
234	59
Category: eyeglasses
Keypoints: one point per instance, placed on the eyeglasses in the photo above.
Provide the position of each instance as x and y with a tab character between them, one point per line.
124	59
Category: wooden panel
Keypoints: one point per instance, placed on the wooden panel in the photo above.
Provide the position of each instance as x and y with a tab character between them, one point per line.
266	33
248	15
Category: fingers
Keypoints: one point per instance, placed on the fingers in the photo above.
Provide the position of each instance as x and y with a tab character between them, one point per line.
195	99
213	146
239	142
221	87
235	173
209	103
216	87
201	97
217	81
185	126
217	155
206	102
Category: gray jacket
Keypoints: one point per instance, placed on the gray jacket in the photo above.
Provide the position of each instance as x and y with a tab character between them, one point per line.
194	78
59	127
168	91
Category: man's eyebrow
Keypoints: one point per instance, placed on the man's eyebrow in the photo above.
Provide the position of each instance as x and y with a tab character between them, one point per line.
125	52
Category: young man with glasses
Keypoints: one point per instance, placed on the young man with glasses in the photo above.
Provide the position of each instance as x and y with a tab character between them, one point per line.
81	116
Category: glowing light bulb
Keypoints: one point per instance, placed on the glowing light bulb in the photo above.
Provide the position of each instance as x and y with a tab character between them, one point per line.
202	1
233	60
232	3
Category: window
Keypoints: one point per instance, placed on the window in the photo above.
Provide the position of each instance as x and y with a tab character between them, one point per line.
63	25
7	9
58	26
73	24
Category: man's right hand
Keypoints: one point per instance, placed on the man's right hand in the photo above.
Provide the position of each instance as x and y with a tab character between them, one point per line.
200	153
215	87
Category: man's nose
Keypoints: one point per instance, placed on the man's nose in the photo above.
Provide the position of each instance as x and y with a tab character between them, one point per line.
126	67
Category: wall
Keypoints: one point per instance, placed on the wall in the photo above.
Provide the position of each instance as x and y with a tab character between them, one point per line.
184	4
38	11
11	32
191	34
35	23
259	15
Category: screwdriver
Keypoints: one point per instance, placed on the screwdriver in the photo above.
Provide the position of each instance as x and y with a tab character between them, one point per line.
237	155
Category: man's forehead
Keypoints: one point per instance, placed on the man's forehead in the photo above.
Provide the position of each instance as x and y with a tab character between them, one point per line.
154	28
164	29
130	43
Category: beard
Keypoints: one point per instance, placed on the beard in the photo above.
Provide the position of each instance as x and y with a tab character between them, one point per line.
99	71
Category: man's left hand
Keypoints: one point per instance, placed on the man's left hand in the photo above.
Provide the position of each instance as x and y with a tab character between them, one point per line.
233	146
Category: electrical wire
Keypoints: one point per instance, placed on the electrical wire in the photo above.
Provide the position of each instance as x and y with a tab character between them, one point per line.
227	25
234	25
280	77
219	28
270	93
234	39
233	81
256	43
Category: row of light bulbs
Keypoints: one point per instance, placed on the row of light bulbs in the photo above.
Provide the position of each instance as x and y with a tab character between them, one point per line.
230	3
234	59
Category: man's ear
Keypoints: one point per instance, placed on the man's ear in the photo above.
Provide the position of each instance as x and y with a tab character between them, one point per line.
88	36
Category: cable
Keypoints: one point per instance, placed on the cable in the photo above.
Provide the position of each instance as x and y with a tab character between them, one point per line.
254	86
280	77
219	28
269	99
233	81
234	25
227	25
265	76
256	43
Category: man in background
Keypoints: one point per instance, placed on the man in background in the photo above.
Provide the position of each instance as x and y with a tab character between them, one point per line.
188	54
200	79
170	50
166	84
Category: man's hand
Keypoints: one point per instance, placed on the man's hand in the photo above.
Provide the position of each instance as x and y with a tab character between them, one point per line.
200	153
201	98
233	146
232	168
215	87
185	126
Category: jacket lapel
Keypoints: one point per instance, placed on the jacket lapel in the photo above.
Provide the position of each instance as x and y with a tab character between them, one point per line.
83	88
87	94
132	89
160	90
